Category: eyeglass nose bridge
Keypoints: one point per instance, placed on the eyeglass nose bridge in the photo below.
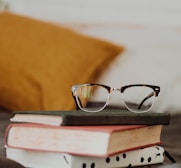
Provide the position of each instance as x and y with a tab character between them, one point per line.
109	96
119	90
116	89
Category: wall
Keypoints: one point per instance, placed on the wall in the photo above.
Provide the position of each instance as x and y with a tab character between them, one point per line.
148	12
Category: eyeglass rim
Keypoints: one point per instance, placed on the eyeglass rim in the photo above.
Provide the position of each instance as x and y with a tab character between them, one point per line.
74	87
77	101
155	88
100	109
134	111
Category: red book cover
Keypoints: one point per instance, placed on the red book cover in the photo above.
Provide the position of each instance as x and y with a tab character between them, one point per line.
82	140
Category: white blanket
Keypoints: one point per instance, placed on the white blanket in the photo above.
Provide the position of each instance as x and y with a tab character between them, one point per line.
149	30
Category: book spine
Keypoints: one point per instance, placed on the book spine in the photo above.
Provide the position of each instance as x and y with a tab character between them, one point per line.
105	117
115	120
37	159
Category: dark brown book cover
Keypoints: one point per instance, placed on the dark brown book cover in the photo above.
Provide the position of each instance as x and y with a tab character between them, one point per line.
105	117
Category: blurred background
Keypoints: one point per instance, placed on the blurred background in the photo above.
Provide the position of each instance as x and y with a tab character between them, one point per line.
150	30
154	12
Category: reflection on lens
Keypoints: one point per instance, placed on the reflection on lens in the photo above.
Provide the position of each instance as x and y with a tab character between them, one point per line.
92	97
138	98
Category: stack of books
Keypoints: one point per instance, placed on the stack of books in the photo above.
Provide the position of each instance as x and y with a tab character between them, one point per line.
75	139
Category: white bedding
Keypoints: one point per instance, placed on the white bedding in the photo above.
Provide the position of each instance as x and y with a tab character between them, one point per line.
149	30
152	56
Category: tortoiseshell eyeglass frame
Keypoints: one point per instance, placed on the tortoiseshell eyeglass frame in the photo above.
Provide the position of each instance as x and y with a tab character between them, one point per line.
156	91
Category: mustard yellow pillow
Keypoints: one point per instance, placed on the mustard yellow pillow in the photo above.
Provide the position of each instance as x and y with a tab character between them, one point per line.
39	62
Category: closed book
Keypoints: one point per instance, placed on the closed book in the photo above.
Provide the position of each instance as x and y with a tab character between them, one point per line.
81	140
37	159
105	117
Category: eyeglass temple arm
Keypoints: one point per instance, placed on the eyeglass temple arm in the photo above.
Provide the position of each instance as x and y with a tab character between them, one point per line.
169	156
147	97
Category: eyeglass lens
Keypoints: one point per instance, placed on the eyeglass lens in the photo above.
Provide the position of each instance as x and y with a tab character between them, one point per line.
91	97
138	98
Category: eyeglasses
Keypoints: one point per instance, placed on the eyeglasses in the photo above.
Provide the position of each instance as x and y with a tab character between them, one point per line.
138	98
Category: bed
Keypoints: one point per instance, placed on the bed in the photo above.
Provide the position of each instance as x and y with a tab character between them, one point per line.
114	53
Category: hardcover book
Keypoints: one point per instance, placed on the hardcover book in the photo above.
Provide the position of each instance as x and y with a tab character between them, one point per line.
105	117
82	140
37	159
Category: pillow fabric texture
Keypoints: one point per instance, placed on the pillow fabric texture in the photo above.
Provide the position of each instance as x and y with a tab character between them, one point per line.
40	62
